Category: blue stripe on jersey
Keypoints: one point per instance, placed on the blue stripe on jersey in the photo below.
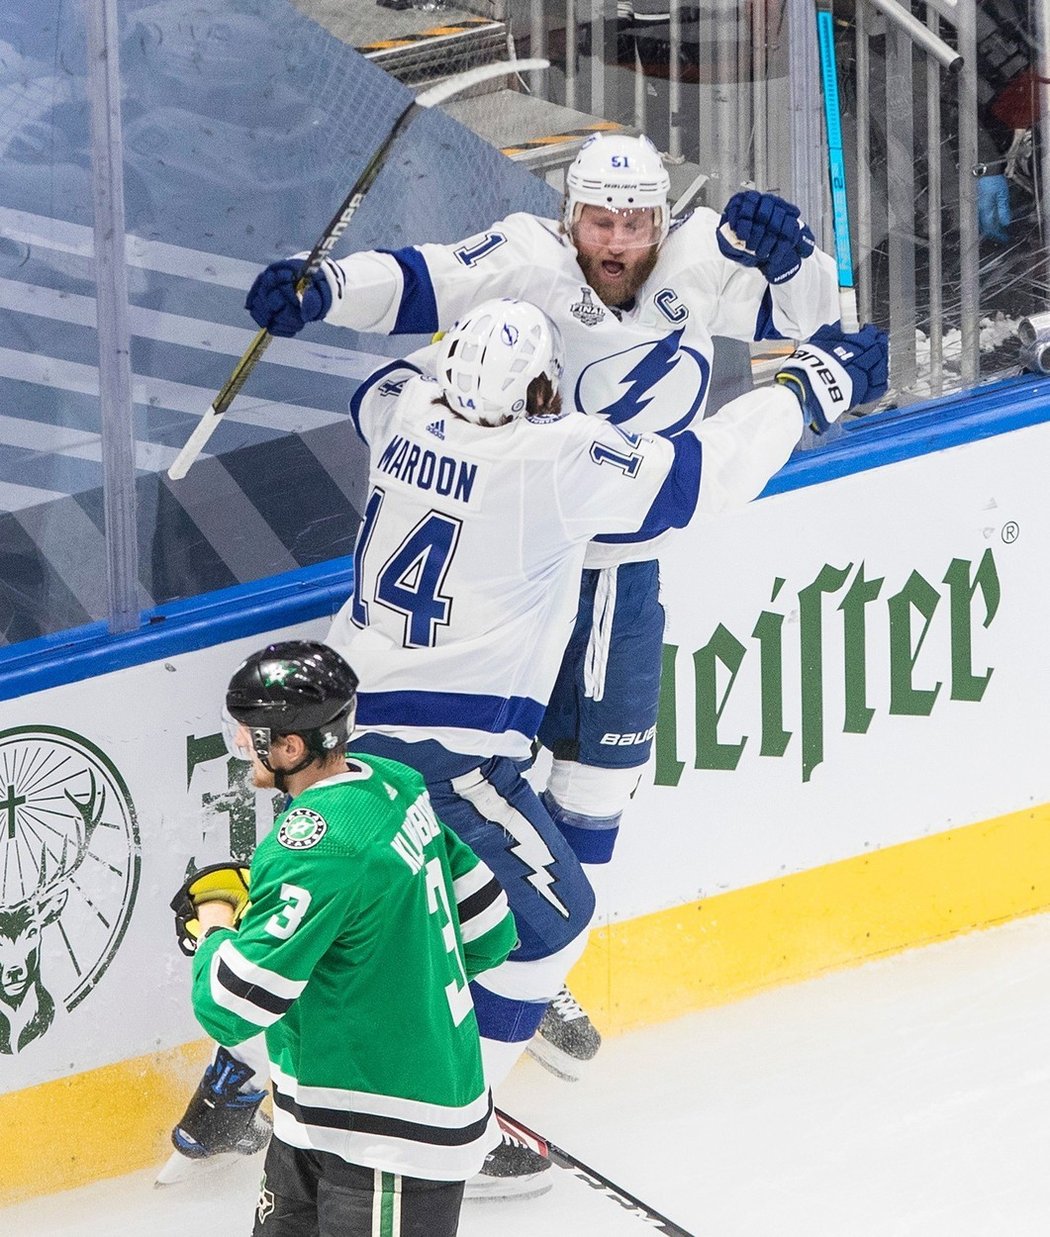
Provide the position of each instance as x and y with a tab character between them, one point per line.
764	328
459	710
675	503
417	312
367	385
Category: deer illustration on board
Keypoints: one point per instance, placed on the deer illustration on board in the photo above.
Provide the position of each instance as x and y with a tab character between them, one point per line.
27	1008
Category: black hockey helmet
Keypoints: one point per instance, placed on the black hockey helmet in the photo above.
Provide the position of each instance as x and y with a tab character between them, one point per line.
298	687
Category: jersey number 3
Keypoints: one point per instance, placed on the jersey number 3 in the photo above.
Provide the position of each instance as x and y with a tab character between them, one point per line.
284	922
411	579
457	994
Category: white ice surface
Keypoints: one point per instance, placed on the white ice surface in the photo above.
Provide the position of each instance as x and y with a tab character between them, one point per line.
906	1098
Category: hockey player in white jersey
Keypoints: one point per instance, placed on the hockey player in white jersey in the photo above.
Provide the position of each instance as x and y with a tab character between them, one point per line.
637	299
483	496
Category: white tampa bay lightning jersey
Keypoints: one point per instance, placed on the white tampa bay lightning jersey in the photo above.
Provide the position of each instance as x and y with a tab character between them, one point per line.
644	367
467	563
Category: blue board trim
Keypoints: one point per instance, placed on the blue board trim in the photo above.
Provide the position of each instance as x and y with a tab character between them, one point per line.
902	434
178	627
315	592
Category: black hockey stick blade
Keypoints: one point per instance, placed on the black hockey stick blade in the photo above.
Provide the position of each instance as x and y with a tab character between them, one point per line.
336	227
596	1180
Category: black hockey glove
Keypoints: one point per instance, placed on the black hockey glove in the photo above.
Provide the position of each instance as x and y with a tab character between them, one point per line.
221	882
836	371
276	306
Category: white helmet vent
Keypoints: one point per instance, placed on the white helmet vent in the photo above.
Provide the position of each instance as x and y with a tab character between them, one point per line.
489	358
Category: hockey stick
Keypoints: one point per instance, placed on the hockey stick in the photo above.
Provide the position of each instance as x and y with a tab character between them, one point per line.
338	225
562	1159
836	165
686	198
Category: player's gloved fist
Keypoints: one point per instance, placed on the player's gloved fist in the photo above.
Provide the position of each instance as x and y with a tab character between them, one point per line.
276	306
836	371
993	207
760	229
221	882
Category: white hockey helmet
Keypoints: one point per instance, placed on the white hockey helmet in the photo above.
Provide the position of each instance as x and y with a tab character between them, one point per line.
486	362
624	174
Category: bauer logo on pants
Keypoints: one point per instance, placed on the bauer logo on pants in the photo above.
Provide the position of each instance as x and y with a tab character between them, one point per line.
69	872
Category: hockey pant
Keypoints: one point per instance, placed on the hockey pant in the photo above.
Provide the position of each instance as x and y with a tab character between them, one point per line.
498	814
601	719
316	1194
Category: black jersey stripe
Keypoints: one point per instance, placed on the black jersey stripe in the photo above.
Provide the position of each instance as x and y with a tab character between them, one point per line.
254	994
380	1126
480	900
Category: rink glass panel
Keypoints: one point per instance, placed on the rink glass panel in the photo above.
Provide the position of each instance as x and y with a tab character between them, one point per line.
733	90
243	128
243	125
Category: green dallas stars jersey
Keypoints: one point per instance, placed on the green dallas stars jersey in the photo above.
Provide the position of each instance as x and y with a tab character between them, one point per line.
367	919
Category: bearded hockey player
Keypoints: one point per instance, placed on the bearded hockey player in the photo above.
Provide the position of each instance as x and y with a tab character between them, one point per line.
637	299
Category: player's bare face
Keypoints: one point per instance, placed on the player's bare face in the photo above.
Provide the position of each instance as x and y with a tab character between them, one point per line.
616	250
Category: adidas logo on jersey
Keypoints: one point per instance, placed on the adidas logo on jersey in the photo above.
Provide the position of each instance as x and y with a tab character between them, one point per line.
437	428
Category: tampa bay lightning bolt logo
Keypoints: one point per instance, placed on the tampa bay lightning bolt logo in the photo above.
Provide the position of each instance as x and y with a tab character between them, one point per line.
657	387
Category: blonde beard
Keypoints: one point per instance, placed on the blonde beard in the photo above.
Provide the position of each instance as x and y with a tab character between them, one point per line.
623	291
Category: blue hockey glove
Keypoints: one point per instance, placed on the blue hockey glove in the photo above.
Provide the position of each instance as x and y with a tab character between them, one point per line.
221	882
993	207
274	304
836	371
760	229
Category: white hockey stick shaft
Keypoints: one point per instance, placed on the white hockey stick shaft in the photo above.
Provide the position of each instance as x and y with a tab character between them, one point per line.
336	227
596	1180
686	198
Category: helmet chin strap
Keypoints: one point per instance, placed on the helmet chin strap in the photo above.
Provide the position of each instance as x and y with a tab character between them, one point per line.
280	776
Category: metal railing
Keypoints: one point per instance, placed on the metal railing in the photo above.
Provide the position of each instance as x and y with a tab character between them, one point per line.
915	134
734	88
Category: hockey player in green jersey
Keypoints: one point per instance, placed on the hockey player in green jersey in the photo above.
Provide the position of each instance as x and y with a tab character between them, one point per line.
366	920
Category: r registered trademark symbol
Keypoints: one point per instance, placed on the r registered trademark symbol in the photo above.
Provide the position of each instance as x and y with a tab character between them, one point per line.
1011	532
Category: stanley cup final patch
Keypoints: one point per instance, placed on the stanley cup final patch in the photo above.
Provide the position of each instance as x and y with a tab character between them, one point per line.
301	829
585	310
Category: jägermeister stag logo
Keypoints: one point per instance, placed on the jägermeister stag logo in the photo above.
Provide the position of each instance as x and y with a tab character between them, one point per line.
69	871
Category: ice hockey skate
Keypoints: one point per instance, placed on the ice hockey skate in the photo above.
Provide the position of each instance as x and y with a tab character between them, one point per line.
511	1171
566	1039
221	1123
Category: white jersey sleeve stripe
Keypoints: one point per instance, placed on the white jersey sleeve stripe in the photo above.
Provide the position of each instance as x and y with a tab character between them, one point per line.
478	922
470	882
258	995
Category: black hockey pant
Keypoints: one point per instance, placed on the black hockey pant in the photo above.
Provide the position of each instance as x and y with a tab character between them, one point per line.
314	1194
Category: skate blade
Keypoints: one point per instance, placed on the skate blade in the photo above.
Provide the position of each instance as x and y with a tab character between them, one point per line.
560	1064
506	1189
181	1168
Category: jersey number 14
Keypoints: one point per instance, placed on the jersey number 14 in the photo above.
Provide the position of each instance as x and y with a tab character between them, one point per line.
411	580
